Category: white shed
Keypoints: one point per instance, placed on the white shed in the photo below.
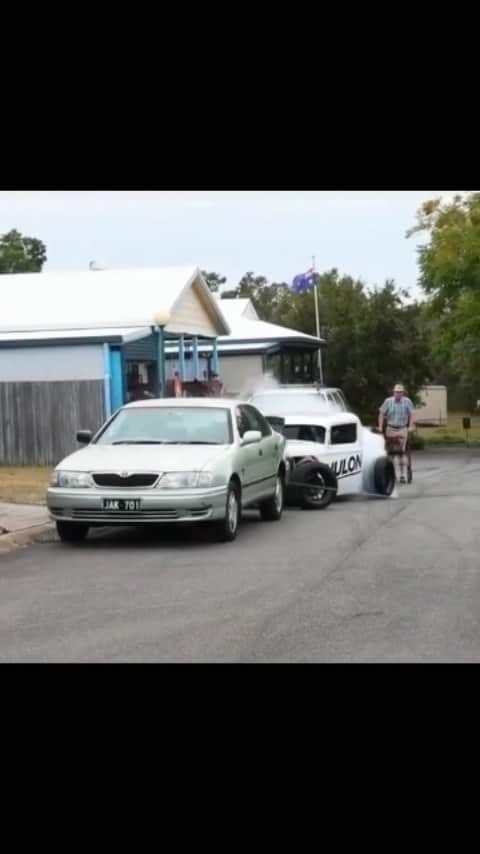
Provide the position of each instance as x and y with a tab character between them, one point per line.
433	408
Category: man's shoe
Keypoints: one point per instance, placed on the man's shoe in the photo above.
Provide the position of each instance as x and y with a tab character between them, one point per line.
403	479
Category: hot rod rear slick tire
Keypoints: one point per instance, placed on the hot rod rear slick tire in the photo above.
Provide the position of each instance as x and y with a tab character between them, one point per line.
384	476
313	486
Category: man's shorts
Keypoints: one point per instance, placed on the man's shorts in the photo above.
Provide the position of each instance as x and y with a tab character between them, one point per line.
396	439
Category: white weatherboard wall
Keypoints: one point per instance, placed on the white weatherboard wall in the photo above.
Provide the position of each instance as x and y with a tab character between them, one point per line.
50	364
240	374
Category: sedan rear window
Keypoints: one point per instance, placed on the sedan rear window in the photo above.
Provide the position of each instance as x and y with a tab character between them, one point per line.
176	425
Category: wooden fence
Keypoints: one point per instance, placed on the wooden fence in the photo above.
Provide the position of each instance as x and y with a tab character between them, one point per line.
39	420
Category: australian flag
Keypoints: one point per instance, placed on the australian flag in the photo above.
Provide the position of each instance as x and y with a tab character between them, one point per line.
304	282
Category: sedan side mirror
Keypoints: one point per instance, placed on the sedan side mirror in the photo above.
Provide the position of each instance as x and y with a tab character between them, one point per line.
251	437
84	437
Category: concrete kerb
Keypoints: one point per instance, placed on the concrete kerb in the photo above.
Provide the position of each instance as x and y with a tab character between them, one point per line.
22	525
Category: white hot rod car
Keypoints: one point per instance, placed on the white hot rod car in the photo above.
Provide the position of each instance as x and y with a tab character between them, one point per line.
330	455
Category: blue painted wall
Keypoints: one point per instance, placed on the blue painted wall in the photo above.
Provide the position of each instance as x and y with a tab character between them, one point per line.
117	380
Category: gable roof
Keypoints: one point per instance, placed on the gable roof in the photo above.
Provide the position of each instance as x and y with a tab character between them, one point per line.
245	328
236	308
111	298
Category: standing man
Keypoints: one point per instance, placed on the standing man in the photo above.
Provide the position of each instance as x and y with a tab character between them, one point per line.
177	385
395	420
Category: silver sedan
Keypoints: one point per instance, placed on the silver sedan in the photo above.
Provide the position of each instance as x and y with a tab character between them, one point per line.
185	460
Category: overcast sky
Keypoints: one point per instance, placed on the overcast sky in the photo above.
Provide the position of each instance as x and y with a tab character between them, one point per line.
274	232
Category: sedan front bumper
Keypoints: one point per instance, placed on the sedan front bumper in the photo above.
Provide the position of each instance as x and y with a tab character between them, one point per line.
173	505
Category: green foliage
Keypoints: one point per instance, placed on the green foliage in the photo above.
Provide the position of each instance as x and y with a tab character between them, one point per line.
450	276
392	347
214	280
450	262
417	442
267	298
442	437
374	339
19	254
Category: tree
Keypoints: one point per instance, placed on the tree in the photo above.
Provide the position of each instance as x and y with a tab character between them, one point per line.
265	297
19	254
450	262
392	347
374	338
456	350
214	280
450	276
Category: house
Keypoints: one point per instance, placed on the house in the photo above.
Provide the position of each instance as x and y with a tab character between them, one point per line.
76	346
254	349
71	347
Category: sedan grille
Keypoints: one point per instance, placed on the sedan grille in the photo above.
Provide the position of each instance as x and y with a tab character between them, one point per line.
128	516
131	481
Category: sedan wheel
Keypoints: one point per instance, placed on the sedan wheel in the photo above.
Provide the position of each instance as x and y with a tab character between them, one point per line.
227	529
232	512
272	509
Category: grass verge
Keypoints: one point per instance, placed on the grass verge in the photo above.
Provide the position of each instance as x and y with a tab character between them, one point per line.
452	433
24	484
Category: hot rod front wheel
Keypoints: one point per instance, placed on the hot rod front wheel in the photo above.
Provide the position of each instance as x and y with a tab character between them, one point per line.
314	486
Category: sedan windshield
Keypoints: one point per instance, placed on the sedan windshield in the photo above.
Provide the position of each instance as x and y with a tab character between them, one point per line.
169	426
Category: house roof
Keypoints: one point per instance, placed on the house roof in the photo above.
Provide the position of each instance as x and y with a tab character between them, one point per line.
119	306
240	307
110	334
106	299
244	329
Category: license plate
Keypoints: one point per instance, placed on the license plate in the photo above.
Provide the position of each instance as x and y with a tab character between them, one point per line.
121	504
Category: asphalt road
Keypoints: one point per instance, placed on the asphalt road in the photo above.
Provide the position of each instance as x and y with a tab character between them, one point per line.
364	581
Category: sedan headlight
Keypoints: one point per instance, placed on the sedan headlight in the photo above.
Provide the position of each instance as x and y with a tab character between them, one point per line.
71	479
185	479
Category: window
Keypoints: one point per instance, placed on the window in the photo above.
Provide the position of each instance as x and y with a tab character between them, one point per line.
343	434
304	432
243	421
257	421
274	365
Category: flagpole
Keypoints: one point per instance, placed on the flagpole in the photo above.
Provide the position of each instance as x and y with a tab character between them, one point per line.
317	321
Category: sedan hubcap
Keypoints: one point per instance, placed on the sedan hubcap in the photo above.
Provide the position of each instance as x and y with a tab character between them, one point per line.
279	495
232	512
